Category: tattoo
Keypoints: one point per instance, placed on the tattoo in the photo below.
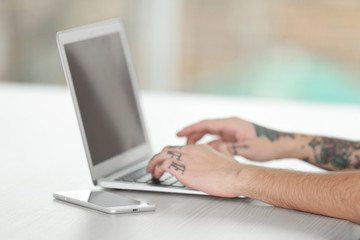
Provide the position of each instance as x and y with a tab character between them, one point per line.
175	154
235	147
175	147
336	152
357	164
160	163
177	167
272	135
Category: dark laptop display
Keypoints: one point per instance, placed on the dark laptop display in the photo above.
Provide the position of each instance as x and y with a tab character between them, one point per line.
106	100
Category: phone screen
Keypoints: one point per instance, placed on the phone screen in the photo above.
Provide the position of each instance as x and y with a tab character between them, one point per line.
101	198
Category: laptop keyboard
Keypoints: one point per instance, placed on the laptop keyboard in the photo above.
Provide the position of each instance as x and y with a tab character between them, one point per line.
141	176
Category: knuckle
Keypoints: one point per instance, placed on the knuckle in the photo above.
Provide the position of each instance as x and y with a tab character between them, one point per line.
165	149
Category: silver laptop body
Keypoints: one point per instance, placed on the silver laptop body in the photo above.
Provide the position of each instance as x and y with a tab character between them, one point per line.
101	78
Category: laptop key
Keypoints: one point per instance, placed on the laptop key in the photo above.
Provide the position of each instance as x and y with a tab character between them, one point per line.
133	175
144	178
165	176
169	181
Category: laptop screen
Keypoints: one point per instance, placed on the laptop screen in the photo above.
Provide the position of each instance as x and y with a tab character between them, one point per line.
105	96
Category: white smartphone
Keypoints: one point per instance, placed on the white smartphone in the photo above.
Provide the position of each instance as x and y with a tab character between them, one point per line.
104	201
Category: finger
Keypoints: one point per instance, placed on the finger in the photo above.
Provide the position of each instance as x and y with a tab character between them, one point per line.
150	163
169	165
161	168
192	139
206	126
172	158
156	160
154	157
168	151
174	167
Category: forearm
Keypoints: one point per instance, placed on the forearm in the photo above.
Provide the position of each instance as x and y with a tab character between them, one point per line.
332	194
328	153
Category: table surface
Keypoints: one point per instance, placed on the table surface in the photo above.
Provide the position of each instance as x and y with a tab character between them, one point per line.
42	153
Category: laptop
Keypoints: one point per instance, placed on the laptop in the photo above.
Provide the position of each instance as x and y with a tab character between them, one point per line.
101	79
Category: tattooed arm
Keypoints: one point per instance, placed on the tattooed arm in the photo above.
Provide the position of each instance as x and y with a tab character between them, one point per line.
239	137
333	154
201	167
334	194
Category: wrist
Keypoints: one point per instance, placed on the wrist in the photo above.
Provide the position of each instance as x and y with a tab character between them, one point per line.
246	181
296	147
266	184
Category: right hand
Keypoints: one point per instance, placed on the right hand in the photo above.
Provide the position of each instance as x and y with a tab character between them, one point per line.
235	137
200	167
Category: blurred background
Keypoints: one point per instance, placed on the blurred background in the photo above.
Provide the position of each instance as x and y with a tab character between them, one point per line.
304	50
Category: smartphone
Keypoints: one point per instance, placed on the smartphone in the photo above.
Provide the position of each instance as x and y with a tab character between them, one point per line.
104	201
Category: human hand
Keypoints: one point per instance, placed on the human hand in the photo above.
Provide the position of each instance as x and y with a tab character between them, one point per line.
199	167
228	130
238	137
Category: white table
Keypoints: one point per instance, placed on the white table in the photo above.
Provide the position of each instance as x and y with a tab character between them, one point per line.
42	152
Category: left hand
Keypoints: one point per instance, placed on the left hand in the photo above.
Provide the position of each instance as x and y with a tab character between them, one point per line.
199	167
236	137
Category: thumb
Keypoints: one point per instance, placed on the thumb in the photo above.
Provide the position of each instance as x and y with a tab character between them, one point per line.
225	148
215	144
220	146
